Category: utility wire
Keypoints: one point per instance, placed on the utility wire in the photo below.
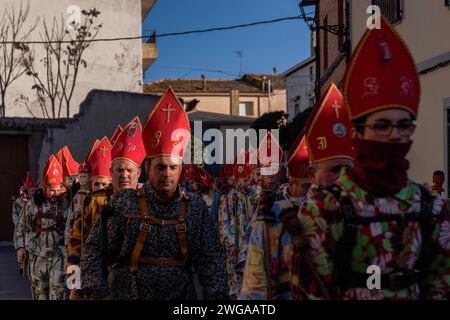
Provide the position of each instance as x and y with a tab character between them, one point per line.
246	25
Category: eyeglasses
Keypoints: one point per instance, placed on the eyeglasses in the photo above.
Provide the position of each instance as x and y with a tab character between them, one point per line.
384	128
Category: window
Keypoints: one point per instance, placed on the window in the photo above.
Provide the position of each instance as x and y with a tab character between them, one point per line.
391	9
246	109
311	74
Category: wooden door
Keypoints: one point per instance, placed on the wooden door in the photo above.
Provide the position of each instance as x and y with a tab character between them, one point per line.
13	167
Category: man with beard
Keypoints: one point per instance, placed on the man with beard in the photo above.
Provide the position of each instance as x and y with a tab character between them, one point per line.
152	239
373	217
43	224
123	162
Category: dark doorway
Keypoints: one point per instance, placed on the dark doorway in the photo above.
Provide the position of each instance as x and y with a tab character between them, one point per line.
13	167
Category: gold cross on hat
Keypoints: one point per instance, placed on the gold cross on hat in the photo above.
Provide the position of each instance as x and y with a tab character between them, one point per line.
103	149
168	111
336	108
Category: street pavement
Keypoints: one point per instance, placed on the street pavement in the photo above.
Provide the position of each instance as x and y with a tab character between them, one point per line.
12	285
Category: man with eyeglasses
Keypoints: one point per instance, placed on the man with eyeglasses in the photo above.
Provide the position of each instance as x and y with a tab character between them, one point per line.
374	219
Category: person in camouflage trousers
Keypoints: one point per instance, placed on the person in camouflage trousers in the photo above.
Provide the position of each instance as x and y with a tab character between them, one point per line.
42	225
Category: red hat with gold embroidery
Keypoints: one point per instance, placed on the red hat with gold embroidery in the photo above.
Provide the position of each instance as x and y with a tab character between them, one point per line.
100	159
381	74
129	144
298	161
268	149
190	173
242	168
328	129
166	131
115	135
53	173
69	165
84	167
206	178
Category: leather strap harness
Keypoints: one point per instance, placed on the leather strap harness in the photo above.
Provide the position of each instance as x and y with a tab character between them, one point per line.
147	220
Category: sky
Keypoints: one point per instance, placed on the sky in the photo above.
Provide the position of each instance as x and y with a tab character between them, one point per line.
280	45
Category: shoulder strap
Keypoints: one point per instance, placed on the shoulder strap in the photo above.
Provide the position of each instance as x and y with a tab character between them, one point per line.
144	231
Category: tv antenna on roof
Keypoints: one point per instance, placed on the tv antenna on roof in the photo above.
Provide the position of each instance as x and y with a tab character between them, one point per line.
240	54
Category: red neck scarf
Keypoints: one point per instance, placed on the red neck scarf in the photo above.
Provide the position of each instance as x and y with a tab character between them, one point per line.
380	167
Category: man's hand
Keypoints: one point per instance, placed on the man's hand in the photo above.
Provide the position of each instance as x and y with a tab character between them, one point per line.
21	255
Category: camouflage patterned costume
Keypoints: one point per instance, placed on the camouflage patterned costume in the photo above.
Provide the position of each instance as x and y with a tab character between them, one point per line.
16	210
42	228
113	249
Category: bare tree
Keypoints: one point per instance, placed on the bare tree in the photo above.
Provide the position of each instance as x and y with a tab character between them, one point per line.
63	57
12	48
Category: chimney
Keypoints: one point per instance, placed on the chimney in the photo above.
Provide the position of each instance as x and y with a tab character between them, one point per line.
263	83
204	82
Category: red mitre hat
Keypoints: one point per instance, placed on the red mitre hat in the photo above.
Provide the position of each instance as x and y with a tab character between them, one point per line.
69	165
228	170
266	150
328	129
166	131
129	144
28	181
100	159
242	169
93	147
298	161
84	167
206	178
115	135
53	173
381	74
190	173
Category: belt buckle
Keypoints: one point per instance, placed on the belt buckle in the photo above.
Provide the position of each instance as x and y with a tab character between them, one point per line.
145	227
163	261
180	227
393	280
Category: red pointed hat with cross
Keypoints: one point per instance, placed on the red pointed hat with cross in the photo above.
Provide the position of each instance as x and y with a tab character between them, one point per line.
381	74
129	144
115	135
100	159
84	167
242	168
267	149
328	129
298	161
53	173
68	163
166	131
